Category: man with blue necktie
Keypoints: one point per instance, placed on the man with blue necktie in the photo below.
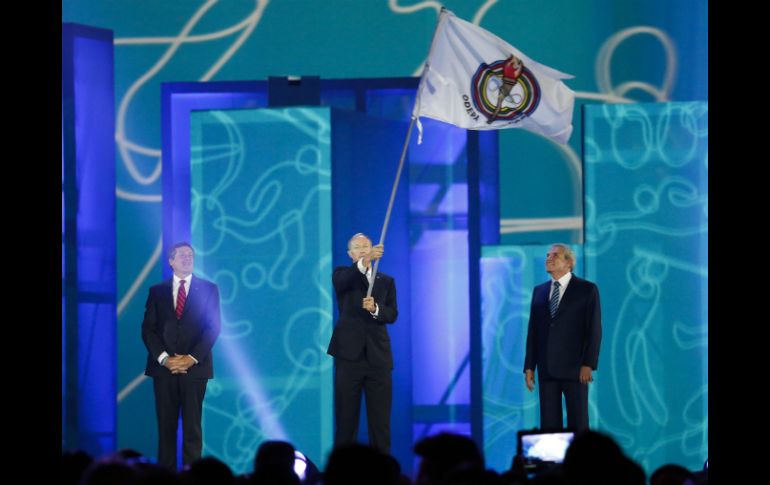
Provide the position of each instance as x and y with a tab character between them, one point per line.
565	331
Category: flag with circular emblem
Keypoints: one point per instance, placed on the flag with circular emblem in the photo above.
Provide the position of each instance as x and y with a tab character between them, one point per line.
466	83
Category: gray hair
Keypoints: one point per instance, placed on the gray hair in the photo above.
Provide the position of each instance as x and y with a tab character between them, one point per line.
568	253
359	234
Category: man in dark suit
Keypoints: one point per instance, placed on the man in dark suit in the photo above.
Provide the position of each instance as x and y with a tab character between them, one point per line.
565	330
181	324
360	345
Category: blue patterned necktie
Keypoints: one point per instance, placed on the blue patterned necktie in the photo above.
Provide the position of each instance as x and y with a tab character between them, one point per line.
554	304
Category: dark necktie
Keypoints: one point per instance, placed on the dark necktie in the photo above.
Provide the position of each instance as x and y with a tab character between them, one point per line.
181	297
554	304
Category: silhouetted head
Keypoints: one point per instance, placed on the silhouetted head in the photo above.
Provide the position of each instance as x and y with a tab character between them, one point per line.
278	454
73	465
596	458
671	474
109	473
208	470
354	464
445	454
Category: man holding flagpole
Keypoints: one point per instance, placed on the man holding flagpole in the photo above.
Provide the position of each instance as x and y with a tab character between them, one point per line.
465	63
360	345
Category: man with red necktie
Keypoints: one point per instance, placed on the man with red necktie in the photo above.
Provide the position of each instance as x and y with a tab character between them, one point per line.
181	323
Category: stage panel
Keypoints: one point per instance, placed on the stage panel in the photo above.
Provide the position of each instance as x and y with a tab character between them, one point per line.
646	207
260	210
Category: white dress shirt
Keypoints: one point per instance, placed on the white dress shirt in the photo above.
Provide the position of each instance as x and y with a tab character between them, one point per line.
563	281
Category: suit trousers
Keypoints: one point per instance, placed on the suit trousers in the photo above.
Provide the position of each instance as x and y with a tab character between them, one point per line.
175	394
351	378
576	398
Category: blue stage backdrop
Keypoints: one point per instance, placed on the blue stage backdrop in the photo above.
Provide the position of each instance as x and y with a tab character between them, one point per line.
647	248
634	50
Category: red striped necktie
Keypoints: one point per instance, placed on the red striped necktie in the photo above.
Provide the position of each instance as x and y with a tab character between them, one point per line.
180	299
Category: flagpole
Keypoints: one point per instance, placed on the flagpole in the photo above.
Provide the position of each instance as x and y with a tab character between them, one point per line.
403	150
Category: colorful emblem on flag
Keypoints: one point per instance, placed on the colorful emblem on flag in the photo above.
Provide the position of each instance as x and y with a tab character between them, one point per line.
521	101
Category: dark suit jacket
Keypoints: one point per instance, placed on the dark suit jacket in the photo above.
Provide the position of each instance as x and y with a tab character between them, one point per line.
356	329
571	338
193	334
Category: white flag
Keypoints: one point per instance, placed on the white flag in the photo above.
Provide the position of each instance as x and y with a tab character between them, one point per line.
470	69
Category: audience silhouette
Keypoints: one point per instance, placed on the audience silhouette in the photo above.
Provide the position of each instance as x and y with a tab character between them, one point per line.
445	459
